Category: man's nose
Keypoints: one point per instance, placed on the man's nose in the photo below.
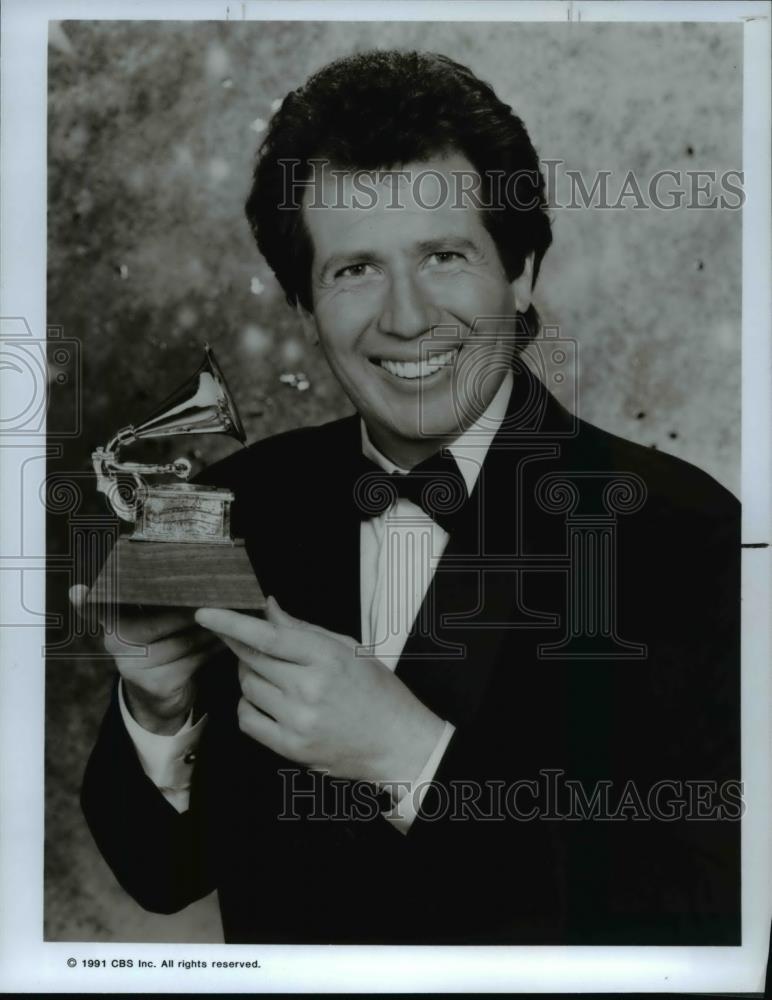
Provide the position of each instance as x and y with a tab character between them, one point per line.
408	310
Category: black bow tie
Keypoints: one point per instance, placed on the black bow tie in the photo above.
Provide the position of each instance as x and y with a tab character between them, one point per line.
435	485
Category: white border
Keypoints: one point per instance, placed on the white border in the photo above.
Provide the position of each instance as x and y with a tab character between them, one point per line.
28	964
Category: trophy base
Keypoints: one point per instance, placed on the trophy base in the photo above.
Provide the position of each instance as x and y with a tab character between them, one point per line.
182	574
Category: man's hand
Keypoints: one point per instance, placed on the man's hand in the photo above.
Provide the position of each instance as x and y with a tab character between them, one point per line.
157	680
309	697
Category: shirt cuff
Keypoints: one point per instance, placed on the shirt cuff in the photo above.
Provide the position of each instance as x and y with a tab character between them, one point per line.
405	810
166	760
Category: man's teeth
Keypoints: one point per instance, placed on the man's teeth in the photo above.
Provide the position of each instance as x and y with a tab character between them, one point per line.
418	369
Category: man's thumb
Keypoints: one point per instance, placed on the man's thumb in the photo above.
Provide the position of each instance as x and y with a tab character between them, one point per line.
278	616
78	595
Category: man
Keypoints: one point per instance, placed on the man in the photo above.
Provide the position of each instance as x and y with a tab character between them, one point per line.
495	696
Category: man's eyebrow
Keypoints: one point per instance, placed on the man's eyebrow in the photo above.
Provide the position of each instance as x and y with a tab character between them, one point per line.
439	243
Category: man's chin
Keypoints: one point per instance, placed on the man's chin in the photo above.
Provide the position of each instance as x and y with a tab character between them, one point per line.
427	429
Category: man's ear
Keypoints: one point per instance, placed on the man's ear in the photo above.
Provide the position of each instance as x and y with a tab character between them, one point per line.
308	324
522	286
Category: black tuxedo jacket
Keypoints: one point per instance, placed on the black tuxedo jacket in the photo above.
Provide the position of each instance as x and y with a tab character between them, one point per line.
581	632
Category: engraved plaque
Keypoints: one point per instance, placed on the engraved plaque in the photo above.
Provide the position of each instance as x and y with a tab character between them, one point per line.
184	512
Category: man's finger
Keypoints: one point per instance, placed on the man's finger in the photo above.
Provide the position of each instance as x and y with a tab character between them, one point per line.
165	650
154	624
283	674
260	727
293	644
263	695
278	616
78	595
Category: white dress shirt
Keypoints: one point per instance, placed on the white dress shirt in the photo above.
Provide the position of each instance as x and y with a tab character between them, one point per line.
399	553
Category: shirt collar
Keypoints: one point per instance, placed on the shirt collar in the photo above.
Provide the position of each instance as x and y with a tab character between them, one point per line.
470	448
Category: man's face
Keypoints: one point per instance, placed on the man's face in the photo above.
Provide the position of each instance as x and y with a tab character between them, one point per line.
411	305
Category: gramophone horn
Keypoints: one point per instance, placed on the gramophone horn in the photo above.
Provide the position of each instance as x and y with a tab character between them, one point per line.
202	405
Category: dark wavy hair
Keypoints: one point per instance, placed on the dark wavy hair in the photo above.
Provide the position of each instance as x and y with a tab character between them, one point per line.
383	109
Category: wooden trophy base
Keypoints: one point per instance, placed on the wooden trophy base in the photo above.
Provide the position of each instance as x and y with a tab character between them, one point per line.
178	574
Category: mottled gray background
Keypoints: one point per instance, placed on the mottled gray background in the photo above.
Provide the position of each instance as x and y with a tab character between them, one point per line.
152	133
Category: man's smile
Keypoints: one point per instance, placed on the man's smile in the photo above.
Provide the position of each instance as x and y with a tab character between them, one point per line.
412	370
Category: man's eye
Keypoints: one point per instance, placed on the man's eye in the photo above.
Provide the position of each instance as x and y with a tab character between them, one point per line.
446	256
355	271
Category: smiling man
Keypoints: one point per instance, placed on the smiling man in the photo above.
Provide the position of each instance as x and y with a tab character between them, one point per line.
411	302
495	696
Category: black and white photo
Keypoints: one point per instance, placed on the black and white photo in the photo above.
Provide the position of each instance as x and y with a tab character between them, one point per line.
424	343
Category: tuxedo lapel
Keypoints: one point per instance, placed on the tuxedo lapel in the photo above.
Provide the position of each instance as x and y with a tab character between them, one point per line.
455	641
475	601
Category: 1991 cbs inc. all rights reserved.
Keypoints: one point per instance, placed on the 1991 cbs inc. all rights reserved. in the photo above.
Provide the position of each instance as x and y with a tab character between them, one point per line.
165	963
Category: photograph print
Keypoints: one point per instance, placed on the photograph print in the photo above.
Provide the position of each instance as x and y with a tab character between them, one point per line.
398	556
